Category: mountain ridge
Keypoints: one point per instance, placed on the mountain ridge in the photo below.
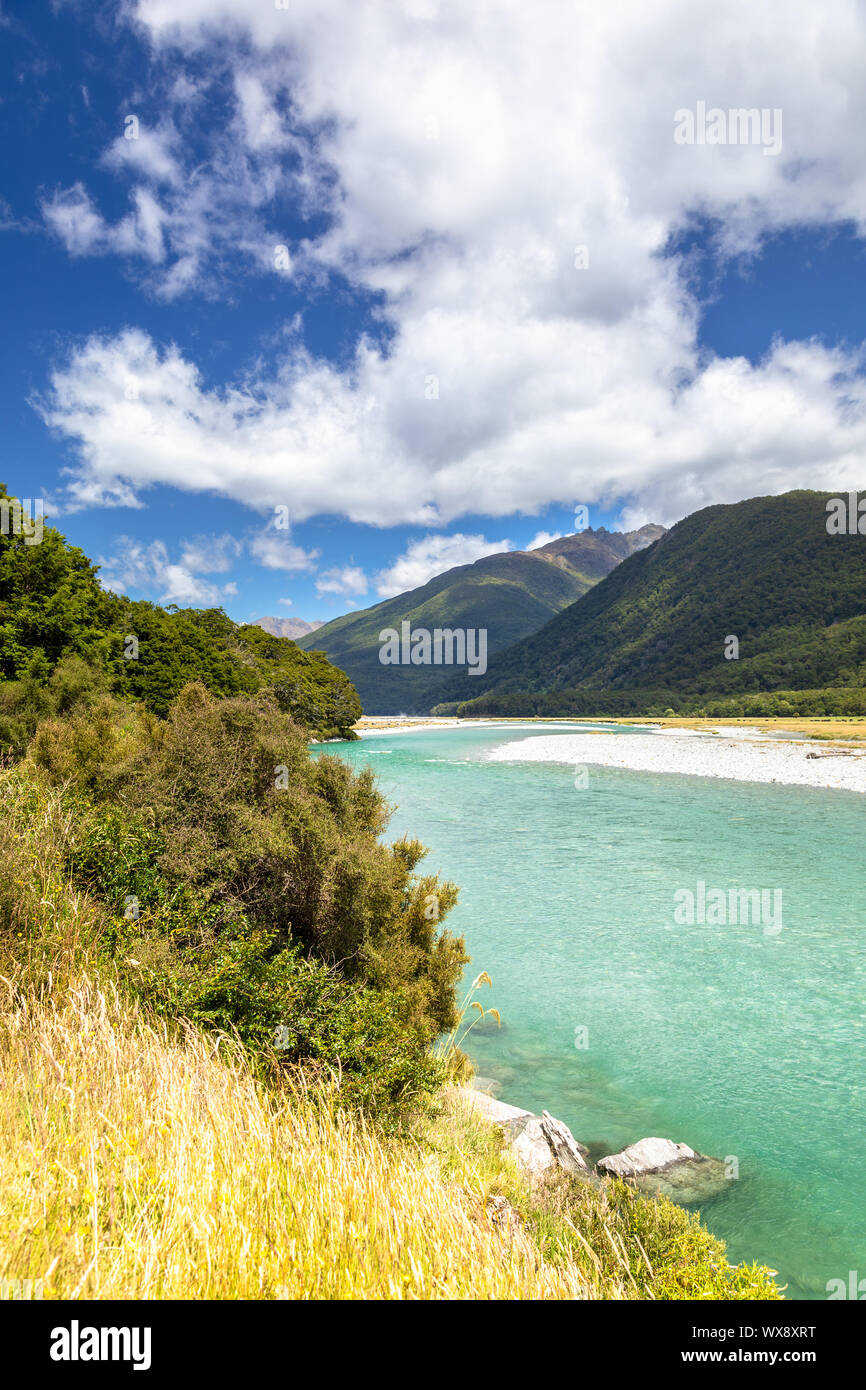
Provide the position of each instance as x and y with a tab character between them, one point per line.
507	594
765	571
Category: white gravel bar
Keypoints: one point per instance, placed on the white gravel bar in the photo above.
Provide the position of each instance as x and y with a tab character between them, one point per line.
742	757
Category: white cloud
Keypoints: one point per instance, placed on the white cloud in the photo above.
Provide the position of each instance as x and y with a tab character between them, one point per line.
72	217
544	538
463	153
286	602
149	154
347	580
260	120
211	554
432	555
147	569
276	551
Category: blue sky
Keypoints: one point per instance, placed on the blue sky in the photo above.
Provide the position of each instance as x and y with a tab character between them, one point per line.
335	275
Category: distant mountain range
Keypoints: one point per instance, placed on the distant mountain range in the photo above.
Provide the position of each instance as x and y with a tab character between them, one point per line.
288	627
509	595
765	572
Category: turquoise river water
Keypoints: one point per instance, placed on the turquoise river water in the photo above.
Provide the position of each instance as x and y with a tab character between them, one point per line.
745	1044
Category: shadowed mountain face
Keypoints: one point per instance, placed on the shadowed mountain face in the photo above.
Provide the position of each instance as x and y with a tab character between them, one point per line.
288	627
765	572
507	595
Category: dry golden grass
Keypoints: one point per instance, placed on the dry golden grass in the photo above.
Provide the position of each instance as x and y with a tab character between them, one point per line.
847	729
135	1165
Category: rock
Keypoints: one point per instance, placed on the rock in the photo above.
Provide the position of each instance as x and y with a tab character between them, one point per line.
673	1170
529	1145
494	1110
646	1156
537	1143
568	1153
486	1083
503	1215
692	1182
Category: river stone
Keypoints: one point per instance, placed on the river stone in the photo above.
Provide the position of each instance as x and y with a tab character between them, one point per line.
537	1143
529	1145
568	1153
492	1109
674	1170
692	1182
645	1156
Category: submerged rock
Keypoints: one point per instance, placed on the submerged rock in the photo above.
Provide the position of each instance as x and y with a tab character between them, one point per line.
673	1170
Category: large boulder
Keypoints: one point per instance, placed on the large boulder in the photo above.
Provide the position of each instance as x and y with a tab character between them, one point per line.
646	1156
537	1143
528	1143
568	1153
659	1166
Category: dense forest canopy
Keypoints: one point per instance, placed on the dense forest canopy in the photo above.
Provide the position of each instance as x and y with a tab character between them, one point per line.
62	634
656	631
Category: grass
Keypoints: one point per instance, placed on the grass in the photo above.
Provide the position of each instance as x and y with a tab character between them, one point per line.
135	1165
149	1159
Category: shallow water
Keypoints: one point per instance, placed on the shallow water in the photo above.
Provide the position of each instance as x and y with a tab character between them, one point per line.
746	1045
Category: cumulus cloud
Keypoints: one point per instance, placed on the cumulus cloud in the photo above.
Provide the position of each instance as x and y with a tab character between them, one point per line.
147	569
277	551
544	538
510	188
145	152
346	580
211	554
431	555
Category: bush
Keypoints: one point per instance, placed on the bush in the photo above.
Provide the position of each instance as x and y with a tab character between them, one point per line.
248	883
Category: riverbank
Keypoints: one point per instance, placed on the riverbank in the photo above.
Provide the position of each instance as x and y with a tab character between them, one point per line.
741	756
824	729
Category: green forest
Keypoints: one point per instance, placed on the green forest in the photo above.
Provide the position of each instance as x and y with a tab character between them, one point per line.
64	639
653	634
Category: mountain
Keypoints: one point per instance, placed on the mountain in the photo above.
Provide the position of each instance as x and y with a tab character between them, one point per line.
508	595
766	572
293	628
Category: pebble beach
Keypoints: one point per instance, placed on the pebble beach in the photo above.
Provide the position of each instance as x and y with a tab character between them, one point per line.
741	757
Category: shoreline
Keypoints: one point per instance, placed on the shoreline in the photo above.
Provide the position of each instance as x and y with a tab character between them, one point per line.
742	757
740	751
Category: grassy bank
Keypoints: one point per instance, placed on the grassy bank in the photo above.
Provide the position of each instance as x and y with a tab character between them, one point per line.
144	1156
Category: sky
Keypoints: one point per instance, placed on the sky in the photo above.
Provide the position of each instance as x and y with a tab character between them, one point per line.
305	301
